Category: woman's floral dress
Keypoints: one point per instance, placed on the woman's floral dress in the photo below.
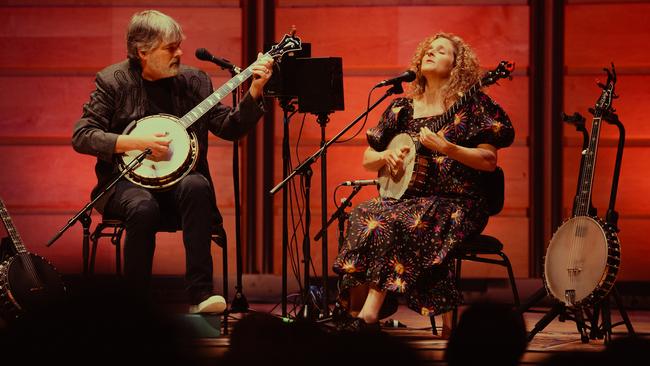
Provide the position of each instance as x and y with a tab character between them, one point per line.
401	245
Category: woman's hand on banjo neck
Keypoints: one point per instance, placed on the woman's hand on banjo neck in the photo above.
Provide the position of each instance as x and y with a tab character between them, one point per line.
158	143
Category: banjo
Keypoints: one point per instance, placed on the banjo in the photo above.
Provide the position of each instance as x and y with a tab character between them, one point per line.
28	282
411	178
583	257
184	147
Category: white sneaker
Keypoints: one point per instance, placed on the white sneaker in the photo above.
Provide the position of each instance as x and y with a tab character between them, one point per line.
213	304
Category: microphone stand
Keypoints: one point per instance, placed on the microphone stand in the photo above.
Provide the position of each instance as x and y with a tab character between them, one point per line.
322	121
288	110
84	214
341	215
305	170
239	304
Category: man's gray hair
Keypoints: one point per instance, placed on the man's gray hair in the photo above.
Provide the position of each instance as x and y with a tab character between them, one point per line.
147	29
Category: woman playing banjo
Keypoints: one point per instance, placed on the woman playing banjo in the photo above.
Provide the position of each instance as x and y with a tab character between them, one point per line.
401	245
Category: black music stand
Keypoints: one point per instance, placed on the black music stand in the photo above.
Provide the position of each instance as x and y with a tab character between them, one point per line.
321	93
288	110
283	85
305	171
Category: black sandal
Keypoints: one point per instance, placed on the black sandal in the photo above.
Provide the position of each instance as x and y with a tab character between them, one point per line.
358	325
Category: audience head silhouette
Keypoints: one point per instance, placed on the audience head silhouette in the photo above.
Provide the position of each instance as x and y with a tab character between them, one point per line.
487	333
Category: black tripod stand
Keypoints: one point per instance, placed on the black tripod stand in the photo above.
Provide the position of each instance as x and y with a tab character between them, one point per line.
341	215
84	214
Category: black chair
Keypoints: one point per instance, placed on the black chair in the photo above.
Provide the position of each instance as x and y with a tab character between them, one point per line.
483	248
114	228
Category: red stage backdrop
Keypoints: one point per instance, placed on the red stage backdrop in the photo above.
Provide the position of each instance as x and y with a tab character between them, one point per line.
51	50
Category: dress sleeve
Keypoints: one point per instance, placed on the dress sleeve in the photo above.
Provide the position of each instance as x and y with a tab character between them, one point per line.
388	126
490	124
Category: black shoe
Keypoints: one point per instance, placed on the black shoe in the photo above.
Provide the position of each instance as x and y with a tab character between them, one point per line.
358	325
342	320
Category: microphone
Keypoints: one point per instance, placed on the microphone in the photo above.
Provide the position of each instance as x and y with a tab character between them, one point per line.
360	182
205	55
406	76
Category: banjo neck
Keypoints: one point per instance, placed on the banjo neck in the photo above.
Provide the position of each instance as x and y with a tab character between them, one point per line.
202	108
11	229
184	147
448	116
502	71
583	198
411	179
604	104
21	251
289	43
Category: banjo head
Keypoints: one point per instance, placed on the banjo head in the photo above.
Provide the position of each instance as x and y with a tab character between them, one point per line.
393	185
581	261
182	152
20	294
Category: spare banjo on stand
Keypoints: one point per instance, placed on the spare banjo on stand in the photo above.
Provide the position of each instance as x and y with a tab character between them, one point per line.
28	282
183	149
412	177
583	257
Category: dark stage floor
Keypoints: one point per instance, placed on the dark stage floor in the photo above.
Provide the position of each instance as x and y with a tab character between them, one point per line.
556	337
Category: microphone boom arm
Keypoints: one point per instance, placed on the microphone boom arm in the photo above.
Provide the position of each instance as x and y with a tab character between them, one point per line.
395	89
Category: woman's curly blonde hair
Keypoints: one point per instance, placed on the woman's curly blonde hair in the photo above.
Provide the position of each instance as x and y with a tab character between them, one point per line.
464	73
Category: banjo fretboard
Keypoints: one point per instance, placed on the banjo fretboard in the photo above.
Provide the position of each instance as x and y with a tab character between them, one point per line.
202	108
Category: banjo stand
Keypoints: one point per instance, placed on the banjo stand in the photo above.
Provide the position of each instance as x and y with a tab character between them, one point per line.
605	329
596	330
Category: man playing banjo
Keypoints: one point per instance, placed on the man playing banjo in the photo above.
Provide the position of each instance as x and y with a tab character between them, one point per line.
153	82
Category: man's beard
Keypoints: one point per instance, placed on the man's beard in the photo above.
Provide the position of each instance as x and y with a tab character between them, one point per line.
173	69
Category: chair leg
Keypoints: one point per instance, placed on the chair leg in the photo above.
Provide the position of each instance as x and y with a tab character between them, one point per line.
511	276
225	286
432	319
116	239
93	251
118	258
454	317
225	272
86	221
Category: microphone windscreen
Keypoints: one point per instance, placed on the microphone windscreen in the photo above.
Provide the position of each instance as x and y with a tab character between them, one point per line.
203	54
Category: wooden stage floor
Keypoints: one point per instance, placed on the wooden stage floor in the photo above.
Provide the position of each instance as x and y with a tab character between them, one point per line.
556	337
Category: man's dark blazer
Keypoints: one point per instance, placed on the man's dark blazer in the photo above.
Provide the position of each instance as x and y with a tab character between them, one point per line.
120	98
